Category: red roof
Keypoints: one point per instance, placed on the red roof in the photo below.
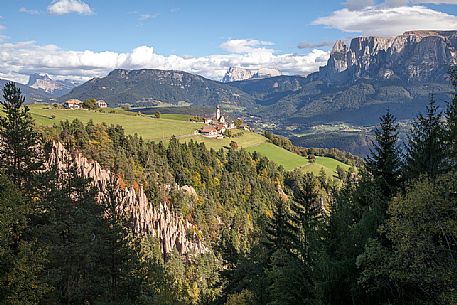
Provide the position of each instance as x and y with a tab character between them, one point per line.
208	129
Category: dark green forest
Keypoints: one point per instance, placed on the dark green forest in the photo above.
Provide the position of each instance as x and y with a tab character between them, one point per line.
384	235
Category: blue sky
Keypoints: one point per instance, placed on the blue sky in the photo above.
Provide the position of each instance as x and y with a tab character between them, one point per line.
81	39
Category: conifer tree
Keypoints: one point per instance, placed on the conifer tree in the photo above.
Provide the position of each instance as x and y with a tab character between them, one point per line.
19	151
426	149
451	119
307	210
73	230
281	232
384	160
21	261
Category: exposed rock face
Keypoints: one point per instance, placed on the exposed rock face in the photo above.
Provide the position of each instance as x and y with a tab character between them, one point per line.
55	87
417	56
173	231
237	73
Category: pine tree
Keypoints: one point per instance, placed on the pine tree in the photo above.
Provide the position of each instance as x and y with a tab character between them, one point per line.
384	160
426	149
73	231
307	210
21	260
308	218
19	150
451	119
281	232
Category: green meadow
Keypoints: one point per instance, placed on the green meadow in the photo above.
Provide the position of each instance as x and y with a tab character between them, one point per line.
291	161
179	125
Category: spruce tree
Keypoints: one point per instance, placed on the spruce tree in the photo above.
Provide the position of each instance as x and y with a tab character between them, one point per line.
426	149
307	210
281	232
384	160
451	119
21	260
73	232
19	142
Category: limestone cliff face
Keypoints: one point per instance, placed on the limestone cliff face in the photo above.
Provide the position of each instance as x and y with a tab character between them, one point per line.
173	231
417	56
237	73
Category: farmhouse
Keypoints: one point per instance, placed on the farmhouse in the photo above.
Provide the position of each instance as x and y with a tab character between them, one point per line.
209	131
72	104
101	104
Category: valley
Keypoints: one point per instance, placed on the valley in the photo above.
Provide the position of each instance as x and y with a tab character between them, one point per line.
228	152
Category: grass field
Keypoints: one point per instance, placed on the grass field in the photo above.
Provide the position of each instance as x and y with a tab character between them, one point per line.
148	127
291	161
179	125
177	117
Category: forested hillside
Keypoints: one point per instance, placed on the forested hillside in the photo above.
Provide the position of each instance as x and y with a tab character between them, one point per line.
384	235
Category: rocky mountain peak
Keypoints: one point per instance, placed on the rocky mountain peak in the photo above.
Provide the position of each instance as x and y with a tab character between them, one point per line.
413	56
238	73
45	83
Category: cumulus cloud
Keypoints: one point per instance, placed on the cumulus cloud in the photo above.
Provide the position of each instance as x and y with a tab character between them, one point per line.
361	4
18	60
394	3
62	7
388	21
246	45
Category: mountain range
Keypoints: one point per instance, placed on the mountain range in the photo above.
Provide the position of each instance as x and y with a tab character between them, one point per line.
237	73
360	81
46	84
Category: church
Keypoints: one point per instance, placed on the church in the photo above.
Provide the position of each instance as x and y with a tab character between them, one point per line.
216	125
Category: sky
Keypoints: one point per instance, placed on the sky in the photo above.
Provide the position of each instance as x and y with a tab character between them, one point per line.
82	39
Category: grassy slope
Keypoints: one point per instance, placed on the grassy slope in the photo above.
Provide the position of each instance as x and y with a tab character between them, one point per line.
290	160
162	129
146	126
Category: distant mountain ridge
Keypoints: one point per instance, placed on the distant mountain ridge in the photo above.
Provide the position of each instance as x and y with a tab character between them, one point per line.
32	95
237	74
45	83
152	86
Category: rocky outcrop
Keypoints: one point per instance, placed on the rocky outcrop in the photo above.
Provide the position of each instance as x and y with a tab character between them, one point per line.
161	221
55	87
417	56
237	73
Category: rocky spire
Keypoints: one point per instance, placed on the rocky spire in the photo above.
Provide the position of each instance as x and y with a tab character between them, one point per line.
162	222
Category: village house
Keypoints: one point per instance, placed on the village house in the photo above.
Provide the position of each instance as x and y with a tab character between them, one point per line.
101	104
72	104
209	131
216	126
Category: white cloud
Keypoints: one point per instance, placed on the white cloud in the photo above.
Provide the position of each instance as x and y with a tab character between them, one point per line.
412	2
18	60
388	21
245	45
361	4
62	7
29	11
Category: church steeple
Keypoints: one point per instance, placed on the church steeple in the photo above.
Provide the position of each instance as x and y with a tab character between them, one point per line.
218	113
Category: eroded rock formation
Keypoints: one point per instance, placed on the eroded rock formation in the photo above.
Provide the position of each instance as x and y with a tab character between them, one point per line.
161	221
